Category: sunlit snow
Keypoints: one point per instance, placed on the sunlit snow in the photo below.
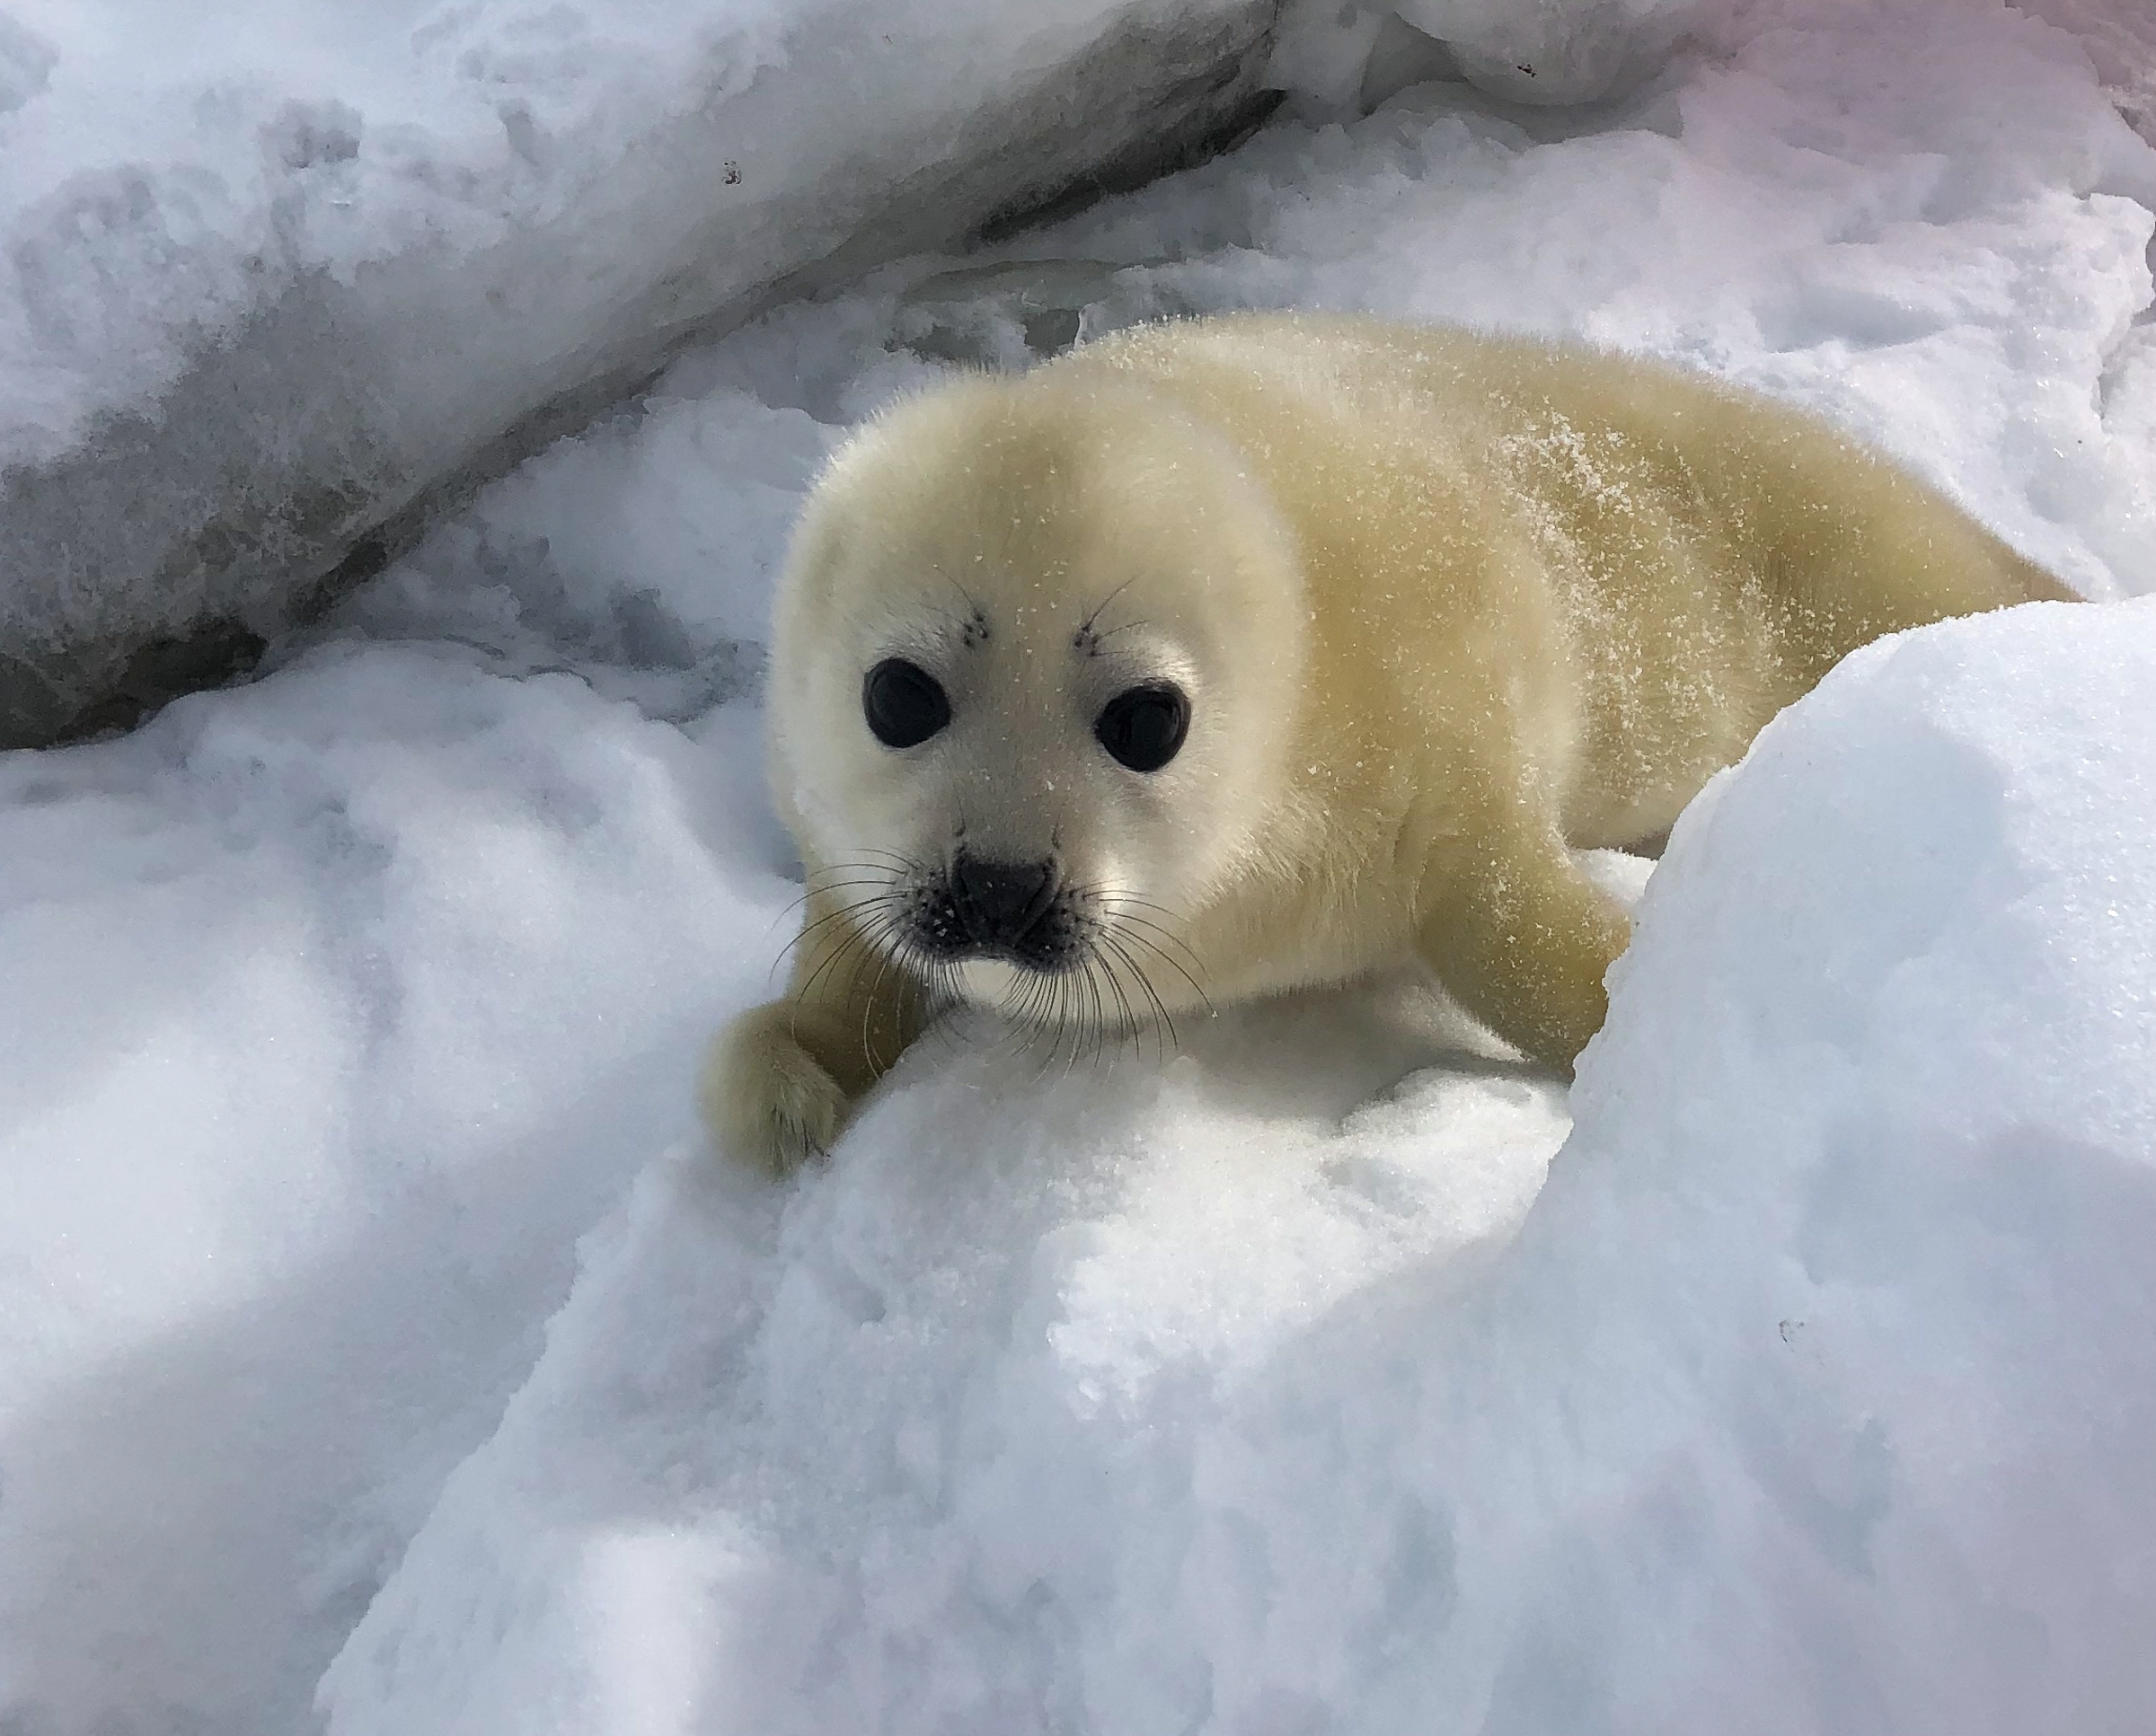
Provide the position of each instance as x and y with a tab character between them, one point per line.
381	1348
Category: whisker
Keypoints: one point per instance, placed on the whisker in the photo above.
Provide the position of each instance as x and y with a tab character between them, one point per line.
1155	938
815	891
1099	1027
884	885
883	895
1125	628
1120	910
1079	1031
853	942
1049	1023
1127	1028
1013	1010
1160	1007
1197	988
842	885
1088	628
1123	919
1144	1022
888	869
950	579
810	931
868	1005
871	948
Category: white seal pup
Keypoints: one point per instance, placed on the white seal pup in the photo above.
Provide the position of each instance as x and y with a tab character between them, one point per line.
1225	656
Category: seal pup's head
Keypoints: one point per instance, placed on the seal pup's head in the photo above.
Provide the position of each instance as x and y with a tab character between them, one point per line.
1035	671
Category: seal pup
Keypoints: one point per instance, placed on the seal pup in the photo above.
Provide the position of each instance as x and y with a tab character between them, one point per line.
1225	656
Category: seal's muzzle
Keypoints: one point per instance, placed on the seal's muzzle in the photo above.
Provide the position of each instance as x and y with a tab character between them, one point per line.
1012	910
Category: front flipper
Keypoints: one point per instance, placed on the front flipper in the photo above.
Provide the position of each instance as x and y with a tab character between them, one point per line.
1521	937
766	1099
782	1078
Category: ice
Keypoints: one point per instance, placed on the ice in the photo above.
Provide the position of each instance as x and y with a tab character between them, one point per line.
283	278
373	1325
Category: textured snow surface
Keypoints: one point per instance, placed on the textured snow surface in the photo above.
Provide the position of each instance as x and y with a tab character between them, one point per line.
1557	52
1813	1393
336	1009
2121	41
1262	1388
275	269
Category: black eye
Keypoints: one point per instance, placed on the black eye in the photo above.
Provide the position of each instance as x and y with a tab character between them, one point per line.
1144	727
904	704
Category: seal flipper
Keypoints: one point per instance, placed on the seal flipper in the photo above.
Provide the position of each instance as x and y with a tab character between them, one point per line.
1521	937
782	1078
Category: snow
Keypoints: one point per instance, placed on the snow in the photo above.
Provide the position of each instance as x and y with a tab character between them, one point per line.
1813	1393
1574	52
280	274
380	1347
338	1008
2121	43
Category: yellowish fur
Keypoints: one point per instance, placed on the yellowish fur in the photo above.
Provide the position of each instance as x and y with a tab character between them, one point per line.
1448	605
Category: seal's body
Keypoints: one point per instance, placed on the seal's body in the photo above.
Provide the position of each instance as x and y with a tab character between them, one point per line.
1230	656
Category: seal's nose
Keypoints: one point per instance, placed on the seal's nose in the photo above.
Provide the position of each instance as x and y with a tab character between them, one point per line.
999	903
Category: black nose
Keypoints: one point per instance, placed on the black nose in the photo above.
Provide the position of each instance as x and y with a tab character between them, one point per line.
1000	902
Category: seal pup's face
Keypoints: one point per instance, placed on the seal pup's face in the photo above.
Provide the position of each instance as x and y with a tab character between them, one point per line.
1033	679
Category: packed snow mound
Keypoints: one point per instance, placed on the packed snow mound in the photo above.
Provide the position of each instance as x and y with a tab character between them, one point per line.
2120	36
277	275
1814	1392
337	1007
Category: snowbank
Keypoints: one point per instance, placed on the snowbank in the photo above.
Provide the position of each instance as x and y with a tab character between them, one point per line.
287	280
276	274
1814	1393
337	1008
